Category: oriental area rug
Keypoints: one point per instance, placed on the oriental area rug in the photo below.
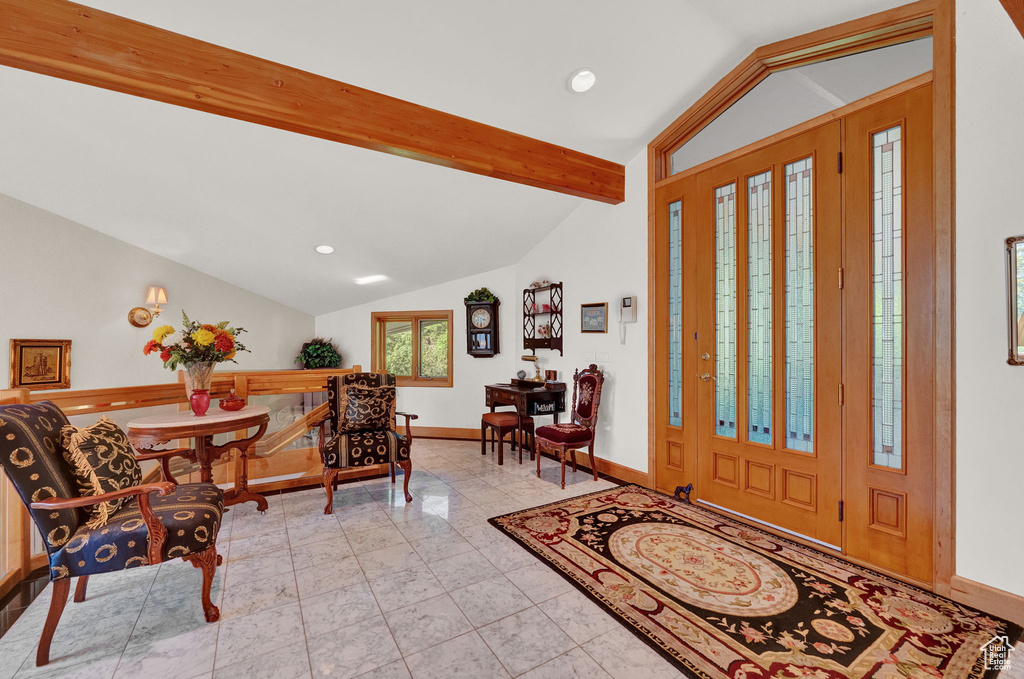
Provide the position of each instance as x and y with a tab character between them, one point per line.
724	600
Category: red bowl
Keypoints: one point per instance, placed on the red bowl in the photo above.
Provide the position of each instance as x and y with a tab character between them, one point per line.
232	403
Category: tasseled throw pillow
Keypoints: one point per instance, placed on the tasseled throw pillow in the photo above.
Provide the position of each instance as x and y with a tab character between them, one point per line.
102	461
366	408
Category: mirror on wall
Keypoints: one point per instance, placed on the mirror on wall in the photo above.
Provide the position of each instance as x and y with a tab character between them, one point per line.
1015	299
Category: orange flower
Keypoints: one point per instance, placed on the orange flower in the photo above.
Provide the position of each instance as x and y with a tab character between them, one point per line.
150	347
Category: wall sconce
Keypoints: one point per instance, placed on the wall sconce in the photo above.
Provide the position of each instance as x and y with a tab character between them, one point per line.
140	316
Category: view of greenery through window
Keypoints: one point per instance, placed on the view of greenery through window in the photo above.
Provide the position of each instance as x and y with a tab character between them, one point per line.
433	348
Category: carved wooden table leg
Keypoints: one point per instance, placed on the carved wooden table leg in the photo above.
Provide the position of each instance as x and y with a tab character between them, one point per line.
241	492
203	457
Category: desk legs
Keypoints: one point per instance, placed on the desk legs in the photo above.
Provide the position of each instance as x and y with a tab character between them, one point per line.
206	453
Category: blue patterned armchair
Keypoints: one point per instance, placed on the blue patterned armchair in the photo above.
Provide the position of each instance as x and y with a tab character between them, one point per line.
154	522
360	429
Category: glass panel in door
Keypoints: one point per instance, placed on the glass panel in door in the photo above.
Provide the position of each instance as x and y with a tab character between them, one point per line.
887	289
725	310
799	305
675	314
759	311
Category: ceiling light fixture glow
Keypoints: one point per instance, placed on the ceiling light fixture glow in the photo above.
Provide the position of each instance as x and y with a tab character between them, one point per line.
581	81
324	249
366	280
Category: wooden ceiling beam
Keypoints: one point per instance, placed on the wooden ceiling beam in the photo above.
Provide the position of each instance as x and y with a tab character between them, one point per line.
74	42
1015	8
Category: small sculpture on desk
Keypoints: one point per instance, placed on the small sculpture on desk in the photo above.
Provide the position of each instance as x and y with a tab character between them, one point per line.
537	377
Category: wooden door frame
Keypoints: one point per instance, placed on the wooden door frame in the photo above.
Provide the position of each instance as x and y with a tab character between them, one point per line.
921	19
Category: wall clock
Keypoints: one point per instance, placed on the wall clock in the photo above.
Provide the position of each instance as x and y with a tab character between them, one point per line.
482	329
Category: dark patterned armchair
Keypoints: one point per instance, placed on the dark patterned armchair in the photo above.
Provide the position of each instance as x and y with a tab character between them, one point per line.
157	522
565	439
359	430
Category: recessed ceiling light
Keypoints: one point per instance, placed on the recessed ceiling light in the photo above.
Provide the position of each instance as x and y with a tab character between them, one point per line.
324	249
582	80
366	280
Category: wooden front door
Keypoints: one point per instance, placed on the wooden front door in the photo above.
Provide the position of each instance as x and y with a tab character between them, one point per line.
890	335
768	335
794	332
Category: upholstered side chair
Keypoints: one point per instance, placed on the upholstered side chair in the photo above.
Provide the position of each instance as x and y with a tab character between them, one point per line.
359	430
159	521
566	438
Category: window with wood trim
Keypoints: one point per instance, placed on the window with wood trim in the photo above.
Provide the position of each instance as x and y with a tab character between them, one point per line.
414	346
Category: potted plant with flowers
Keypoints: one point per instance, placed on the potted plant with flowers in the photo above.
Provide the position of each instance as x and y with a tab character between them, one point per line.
197	348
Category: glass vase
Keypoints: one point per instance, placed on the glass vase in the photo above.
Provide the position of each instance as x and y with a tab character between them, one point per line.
198	375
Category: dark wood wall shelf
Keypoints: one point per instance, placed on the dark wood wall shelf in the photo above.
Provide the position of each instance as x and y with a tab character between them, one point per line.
533	301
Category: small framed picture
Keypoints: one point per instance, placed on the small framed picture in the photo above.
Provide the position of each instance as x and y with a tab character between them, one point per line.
40	364
594	317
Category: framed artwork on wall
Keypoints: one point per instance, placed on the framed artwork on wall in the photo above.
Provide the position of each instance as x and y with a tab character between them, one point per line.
1015	298
40	364
594	317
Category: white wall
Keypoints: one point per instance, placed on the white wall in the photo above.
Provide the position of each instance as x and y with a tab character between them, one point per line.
462	404
600	254
989	393
62	280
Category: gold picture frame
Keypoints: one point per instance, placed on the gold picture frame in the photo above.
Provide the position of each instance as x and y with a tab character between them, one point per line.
594	317
40	364
1014	247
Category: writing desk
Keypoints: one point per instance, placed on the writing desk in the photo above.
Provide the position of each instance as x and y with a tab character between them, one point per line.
547	400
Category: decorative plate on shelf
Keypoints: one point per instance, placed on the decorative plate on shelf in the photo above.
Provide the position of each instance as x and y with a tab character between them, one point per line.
140	317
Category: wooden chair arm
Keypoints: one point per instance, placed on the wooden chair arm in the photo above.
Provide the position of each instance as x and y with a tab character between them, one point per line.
157	530
165	460
161	487
409	417
322	436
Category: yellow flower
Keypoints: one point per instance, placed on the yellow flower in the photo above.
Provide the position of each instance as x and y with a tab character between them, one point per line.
161	333
203	338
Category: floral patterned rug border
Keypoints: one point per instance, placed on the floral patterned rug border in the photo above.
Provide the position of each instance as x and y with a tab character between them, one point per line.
898	663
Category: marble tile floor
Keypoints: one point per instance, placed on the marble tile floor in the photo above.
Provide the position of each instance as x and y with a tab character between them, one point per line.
380	589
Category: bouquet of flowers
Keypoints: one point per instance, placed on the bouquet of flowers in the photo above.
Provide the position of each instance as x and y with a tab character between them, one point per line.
196	343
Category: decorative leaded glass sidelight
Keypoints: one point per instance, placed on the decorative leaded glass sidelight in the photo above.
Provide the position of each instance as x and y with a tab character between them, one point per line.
725	310
799	306
759	325
675	314
887	293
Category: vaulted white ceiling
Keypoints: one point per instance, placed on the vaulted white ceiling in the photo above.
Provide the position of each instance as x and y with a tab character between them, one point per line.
248	204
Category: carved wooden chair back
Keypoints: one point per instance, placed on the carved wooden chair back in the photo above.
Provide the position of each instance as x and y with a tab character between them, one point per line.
586	395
